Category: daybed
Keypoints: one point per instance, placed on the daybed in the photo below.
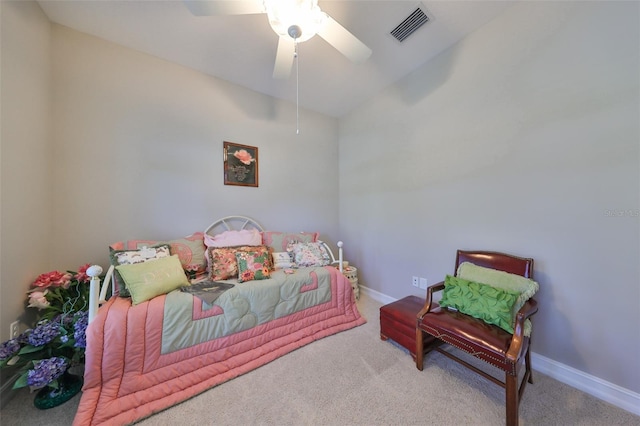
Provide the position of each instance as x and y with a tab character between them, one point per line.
145	356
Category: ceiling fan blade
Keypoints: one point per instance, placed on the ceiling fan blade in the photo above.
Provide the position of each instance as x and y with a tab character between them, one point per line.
224	7
284	58
345	42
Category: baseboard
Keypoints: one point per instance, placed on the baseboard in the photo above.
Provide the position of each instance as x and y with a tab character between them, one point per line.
377	296
594	386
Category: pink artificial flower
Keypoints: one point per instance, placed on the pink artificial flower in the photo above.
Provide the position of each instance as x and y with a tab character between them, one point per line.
82	276
243	156
52	279
37	299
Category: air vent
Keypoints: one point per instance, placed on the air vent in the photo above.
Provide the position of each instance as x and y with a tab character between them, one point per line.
410	25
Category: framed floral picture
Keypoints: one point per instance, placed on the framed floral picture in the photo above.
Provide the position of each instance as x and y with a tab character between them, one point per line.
240	164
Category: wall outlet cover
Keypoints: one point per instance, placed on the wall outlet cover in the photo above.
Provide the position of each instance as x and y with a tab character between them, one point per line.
423	283
14	329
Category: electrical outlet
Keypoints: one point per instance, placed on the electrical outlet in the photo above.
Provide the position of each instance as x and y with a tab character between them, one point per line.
423	283
415	281
14	329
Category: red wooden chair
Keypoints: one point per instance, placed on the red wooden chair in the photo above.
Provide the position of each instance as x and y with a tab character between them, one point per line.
487	342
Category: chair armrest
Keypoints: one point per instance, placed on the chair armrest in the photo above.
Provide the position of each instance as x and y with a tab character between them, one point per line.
427	306
528	309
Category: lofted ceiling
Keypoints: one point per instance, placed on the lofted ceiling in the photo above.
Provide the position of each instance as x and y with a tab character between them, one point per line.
242	48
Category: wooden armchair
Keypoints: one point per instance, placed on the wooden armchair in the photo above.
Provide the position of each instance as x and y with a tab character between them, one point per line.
487	342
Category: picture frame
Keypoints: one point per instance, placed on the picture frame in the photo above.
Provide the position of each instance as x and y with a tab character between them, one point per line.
240	164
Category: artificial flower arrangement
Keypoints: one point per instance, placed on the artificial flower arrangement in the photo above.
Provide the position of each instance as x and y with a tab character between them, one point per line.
57	342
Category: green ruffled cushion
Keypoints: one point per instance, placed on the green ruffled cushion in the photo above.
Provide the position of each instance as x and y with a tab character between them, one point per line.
500	279
504	280
491	304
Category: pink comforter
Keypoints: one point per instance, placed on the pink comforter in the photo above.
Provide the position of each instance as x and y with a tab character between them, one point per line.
127	378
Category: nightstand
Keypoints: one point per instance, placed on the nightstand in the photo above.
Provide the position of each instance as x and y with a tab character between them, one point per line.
351	273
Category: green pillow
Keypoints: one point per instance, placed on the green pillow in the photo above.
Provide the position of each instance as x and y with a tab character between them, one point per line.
490	304
500	279
139	255
152	278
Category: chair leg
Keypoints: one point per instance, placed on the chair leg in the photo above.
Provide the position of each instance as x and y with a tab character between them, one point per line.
527	360
512	399
419	348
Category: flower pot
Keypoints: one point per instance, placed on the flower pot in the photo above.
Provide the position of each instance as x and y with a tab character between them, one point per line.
68	386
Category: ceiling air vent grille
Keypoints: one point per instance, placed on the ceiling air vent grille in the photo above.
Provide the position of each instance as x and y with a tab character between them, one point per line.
410	25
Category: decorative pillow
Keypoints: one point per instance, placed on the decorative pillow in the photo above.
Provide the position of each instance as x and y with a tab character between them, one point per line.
131	257
279	241
243	237
499	279
131	244
224	264
147	280
190	250
253	265
282	260
309	254
490	304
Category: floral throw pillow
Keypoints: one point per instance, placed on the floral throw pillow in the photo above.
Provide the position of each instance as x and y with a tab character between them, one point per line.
309	254
253	265
224	264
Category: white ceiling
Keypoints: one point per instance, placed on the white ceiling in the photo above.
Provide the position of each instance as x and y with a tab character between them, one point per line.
242	48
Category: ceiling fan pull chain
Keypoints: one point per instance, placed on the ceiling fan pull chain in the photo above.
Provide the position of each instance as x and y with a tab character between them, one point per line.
295	56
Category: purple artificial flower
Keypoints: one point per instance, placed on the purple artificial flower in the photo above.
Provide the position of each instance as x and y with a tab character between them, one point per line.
64	319
8	349
23	338
80	329
46	371
44	333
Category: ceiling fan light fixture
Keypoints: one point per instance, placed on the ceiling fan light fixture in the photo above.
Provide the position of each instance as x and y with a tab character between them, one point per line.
304	14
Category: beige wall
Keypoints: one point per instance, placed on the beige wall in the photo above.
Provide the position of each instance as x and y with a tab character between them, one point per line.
522	138
101	143
26	217
138	152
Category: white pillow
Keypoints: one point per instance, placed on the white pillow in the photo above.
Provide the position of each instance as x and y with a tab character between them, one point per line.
282	260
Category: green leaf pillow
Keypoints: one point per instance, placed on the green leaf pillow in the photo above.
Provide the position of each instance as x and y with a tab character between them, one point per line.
524	286
152	278
490	304
504	280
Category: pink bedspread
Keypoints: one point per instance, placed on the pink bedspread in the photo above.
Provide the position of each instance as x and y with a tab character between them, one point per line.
127	378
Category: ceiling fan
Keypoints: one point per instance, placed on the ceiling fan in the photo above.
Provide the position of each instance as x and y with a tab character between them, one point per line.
294	21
